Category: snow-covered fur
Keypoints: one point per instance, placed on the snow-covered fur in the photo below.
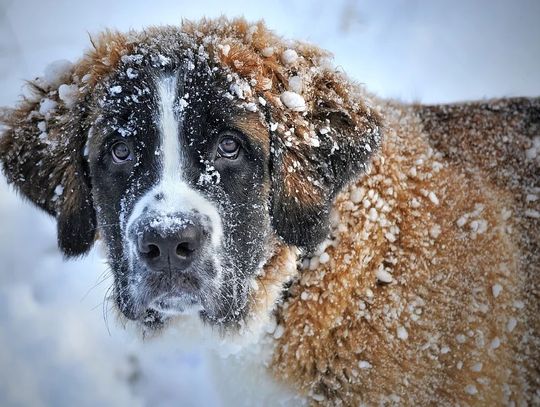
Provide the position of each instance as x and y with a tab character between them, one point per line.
413	280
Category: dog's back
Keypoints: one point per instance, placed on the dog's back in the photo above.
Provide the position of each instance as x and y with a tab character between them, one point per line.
507	150
502	139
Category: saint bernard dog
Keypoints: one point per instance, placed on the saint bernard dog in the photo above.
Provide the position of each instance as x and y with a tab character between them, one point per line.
383	253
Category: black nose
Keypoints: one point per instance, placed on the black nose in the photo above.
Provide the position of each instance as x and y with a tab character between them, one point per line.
169	247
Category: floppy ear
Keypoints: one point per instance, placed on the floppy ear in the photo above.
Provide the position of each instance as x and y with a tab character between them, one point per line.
41	151
338	136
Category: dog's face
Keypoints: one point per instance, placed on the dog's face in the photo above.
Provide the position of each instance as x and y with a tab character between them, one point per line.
192	160
181	185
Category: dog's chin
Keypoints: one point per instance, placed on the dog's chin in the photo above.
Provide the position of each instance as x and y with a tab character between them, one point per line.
153	309
165	308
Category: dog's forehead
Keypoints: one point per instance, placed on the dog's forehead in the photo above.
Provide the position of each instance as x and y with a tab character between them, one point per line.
133	88
129	99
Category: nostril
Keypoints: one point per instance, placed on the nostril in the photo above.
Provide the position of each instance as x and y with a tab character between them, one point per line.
153	251
184	249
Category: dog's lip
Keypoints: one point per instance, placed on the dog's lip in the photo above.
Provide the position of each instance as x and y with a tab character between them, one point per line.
176	303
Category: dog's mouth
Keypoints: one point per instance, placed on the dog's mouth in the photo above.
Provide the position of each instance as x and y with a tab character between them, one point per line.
176	303
148	297
162	308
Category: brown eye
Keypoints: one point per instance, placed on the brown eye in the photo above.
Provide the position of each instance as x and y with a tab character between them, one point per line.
121	152
228	148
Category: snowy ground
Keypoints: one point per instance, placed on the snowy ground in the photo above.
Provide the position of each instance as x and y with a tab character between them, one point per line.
55	346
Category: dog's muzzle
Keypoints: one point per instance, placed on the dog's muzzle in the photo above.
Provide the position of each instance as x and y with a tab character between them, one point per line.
172	248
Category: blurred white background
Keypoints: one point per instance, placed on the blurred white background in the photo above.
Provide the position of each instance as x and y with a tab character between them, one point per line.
55	347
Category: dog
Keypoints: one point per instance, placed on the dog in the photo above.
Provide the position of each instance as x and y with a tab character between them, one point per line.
384	253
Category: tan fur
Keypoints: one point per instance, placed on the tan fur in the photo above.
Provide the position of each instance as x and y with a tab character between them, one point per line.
338	317
444	212
252	126
105	54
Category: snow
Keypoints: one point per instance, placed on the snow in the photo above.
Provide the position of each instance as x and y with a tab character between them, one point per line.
59	190
402	333
115	90
511	324
324	130
56	347
47	106
52	321
479	226
252	107
532	213
293	101
415	203
225	49
495	343
68	94
55	73
267	52
324	258
289	56
477	367
357	195
496	290
241	89
131	73
471	389
278	333
435	231
433	198
364	364
533	152
383	276
295	84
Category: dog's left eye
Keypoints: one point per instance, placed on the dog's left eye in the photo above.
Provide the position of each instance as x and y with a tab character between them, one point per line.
228	148
121	152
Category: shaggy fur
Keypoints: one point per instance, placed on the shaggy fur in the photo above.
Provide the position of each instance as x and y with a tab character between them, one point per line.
459	239
425	289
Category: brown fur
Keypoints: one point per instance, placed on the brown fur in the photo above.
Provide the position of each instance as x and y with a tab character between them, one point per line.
252	126
443	211
441	292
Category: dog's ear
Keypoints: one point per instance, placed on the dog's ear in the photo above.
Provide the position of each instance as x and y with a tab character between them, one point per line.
329	145
42	155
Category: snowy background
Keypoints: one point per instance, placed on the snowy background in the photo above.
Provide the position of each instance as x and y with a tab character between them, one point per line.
56	347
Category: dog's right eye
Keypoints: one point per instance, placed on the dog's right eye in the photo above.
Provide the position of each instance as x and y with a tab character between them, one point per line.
121	152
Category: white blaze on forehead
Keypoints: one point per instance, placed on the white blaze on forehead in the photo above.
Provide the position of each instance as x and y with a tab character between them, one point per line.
176	196
169	127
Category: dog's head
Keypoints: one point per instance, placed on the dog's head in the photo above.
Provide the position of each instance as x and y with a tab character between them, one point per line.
195	153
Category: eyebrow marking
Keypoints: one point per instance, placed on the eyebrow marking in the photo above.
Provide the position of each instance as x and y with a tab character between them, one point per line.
252	127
